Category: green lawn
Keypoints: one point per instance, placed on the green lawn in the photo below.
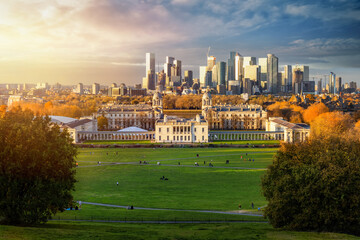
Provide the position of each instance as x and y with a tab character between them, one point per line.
107	231
220	188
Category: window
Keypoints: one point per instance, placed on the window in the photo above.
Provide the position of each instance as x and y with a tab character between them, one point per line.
159	138
168	129
168	138
194	129
203	138
159	130
194	138
203	129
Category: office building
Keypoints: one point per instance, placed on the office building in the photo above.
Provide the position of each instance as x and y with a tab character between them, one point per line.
248	61
288	77
298	78
149	79
188	78
338	85
272	73
80	88
230	71
202	75
239	69
332	79
306	72
319	86
263	74
95	88
221	70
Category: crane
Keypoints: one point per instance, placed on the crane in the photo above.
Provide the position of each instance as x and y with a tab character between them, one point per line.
208	52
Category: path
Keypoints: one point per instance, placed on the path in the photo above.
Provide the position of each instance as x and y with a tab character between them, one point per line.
242	213
159	222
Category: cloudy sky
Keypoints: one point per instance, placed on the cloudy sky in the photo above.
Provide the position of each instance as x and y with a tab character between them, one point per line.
105	41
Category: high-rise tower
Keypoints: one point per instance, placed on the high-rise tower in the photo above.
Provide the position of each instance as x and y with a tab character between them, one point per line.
272	73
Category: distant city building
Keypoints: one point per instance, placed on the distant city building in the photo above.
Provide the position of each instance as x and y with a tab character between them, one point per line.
288	77
221	70
306	71
263	74
42	86
319	86
239	67
230	71
202	75
253	74
95	88
338	85
332	79
272	73
188	78
248	61
298	78
80	88
353	85
149	79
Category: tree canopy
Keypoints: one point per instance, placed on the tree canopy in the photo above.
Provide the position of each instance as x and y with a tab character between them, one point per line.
37	167
315	185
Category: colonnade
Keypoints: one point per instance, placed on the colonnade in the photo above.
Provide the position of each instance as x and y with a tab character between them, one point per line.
111	135
241	135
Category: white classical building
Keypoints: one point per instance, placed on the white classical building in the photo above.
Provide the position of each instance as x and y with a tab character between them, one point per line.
233	117
179	130
293	132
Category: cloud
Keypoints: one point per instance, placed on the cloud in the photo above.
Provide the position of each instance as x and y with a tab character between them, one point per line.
323	12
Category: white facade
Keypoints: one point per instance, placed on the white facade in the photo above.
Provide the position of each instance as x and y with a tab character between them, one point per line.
239	69
181	130
299	132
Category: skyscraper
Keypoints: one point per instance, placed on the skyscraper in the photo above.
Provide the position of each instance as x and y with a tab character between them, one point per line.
272	73
332	77
149	79
221	70
188	78
288	77
239	69
298	78
263	74
248	61
338	85
211	61
230	71
202	75
80	88
95	88
305	70
319	86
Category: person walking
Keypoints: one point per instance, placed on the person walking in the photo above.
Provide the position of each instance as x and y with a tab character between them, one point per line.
117	183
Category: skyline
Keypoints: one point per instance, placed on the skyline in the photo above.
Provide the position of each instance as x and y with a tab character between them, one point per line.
105	41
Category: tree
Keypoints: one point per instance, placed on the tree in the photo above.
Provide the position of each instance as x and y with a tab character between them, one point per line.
36	167
315	186
331	123
313	111
102	123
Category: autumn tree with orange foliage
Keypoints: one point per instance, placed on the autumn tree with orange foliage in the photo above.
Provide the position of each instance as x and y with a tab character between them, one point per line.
289	112
331	123
313	111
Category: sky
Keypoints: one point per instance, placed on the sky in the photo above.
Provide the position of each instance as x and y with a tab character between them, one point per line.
105	41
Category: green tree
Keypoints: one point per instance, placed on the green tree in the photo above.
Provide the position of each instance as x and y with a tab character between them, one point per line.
315	186
36	168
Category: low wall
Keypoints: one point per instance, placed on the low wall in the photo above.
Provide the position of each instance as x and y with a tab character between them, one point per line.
176	145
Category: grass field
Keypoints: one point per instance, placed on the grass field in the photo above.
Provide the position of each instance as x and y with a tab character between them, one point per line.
107	231
189	189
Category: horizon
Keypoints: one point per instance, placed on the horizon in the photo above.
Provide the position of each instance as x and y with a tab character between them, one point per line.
106	41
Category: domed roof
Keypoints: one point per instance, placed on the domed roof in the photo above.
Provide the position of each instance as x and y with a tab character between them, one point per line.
157	95
206	95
